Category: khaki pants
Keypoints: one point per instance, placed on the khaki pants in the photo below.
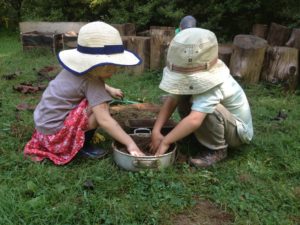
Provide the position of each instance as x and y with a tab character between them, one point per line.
218	130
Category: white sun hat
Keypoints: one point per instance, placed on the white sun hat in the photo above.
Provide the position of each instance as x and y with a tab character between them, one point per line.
98	44
193	66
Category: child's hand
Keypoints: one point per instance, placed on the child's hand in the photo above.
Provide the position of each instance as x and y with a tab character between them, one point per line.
156	139
135	151
163	147
114	92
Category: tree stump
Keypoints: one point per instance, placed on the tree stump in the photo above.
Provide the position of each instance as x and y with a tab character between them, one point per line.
125	29
281	67
160	40
224	53
69	40
130	29
294	40
260	30
145	33
247	57
141	47
278	35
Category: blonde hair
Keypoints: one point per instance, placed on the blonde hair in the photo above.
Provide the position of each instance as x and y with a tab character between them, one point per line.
99	71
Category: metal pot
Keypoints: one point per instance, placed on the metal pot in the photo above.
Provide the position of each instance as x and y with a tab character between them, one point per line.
134	163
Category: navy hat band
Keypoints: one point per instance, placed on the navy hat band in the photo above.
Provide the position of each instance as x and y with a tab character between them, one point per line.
106	50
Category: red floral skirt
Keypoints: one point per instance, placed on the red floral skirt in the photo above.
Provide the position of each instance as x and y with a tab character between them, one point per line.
62	146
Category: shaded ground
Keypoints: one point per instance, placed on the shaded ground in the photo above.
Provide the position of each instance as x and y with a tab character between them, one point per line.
203	213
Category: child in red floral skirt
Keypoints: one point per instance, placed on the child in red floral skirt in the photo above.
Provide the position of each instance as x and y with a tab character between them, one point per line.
75	103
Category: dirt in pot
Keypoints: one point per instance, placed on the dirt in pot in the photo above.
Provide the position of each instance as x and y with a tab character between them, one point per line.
143	143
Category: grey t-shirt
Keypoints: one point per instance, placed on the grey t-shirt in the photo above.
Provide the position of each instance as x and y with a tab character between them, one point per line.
62	95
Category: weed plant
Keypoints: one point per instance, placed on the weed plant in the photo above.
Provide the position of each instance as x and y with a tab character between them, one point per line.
257	184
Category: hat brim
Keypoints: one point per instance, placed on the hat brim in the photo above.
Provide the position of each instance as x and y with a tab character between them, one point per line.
80	63
194	83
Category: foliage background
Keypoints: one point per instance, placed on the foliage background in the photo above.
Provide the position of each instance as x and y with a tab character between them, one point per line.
225	17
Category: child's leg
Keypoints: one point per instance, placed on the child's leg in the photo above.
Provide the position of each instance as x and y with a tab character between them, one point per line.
92	122
217	132
88	149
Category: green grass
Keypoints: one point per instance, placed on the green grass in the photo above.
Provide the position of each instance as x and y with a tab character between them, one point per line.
258	184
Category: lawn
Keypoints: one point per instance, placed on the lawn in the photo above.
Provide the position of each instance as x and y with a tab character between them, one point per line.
257	184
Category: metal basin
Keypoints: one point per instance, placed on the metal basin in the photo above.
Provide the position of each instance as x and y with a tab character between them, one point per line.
132	163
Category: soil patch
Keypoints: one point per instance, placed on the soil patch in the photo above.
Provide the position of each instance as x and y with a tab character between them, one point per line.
123	113
204	213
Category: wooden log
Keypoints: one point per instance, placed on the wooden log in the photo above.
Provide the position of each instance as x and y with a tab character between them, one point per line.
281	67
120	28
225	52
125	29
160	40
69	40
260	30
125	41
36	39
247	57
278	35
53	27
141	47
145	33
130	29
47	30
294	40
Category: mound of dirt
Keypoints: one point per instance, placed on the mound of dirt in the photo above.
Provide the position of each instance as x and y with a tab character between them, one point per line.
123	113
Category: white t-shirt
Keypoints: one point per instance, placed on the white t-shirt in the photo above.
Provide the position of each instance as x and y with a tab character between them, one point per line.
232	97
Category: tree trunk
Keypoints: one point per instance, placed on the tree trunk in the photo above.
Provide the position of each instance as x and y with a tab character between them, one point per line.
130	29
247	57
141	47
160	40
125	29
225	51
278	35
294	40
281	67
260	30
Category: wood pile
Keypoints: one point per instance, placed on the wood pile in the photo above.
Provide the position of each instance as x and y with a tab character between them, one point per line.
269	54
150	45
37	39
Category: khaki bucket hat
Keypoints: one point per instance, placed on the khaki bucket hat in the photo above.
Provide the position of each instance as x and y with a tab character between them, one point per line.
193	66
98	44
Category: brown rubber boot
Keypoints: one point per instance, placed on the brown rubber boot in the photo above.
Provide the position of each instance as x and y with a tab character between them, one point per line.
207	158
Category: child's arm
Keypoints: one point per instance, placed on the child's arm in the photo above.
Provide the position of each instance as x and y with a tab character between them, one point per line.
185	127
165	112
111	126
114	92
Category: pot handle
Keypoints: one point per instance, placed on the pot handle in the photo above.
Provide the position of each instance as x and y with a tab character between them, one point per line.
146	163
142	131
